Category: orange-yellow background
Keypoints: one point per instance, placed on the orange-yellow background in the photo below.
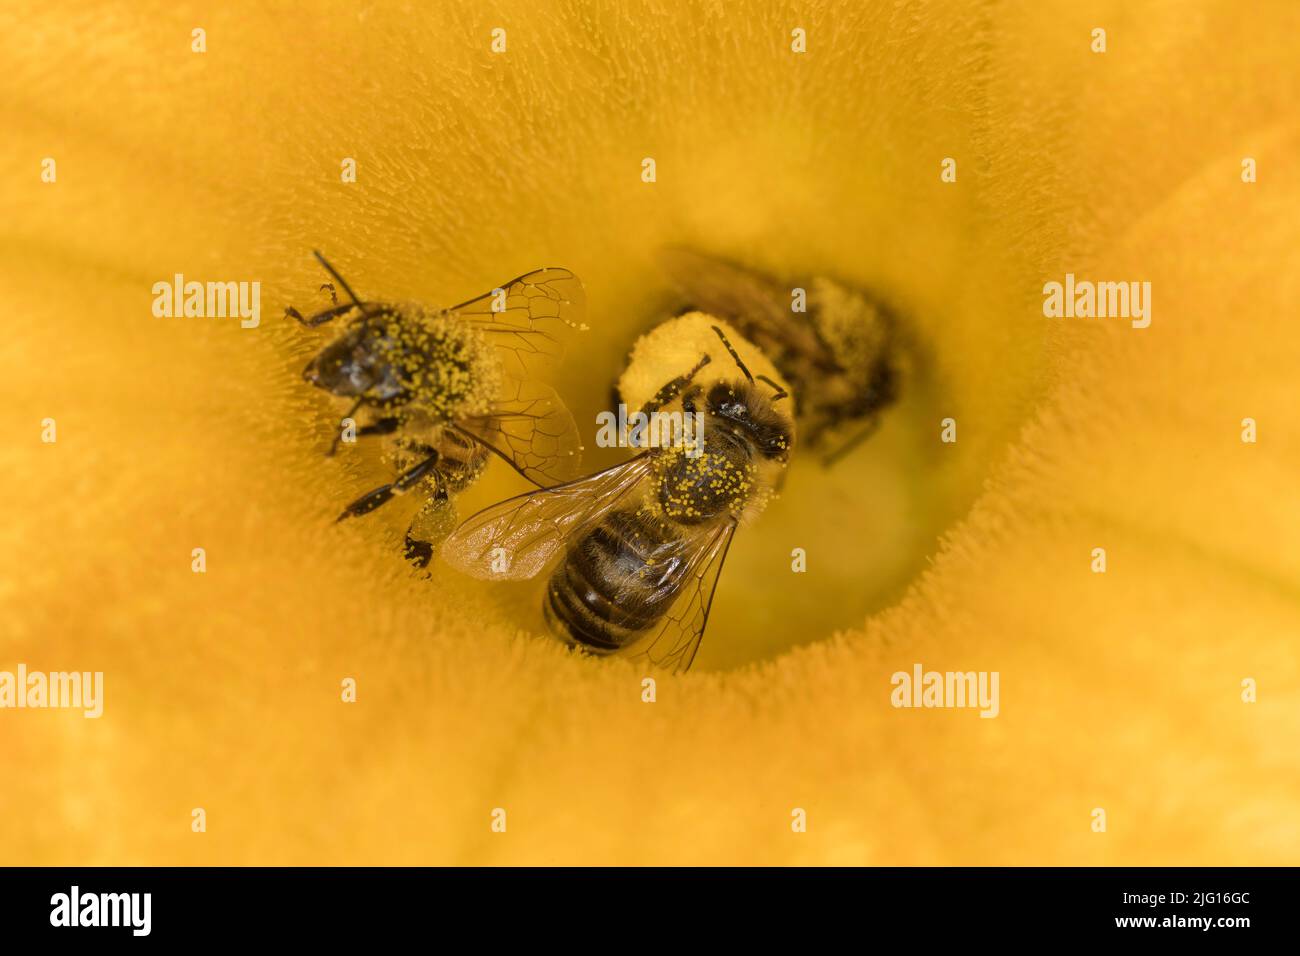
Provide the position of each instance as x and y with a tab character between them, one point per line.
1119	691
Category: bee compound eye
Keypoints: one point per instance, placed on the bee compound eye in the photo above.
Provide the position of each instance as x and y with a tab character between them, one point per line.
721	396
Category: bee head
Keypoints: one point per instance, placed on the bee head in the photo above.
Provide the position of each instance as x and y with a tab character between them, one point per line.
351	365
751	413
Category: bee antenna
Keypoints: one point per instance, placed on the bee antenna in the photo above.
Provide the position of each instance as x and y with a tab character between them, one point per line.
734	354
338	278
780	392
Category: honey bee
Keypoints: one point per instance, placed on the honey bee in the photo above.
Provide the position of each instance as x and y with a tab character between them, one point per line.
642	543
452	386
841	357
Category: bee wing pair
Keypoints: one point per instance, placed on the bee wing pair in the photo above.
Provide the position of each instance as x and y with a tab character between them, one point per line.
528	425
758	306
519	538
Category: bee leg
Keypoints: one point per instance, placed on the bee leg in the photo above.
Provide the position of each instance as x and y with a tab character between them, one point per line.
338	432
430	525
380	426
336	277
872	424
320	318
419	553
381	495
674	388
329	286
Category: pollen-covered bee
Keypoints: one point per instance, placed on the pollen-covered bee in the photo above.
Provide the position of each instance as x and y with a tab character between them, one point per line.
842	356
641	544
452	386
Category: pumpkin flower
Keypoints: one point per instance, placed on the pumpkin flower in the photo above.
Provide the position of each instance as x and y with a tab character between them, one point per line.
1095	518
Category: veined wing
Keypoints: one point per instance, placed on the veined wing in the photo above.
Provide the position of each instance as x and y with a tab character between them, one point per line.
530	427
756	305
517	538
526	318
675	640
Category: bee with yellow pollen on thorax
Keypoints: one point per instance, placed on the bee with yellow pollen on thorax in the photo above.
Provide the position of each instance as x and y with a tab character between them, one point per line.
637	549
452	386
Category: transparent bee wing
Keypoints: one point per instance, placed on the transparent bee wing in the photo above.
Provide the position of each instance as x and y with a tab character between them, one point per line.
529	426
515	539
525	319
757	306
675	640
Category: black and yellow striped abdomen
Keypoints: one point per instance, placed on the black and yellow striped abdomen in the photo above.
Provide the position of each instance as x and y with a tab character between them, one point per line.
617	581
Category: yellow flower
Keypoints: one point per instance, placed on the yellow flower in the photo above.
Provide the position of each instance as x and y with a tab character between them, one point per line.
1120	691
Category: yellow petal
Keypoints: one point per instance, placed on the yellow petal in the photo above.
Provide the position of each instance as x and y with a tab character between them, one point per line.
222	690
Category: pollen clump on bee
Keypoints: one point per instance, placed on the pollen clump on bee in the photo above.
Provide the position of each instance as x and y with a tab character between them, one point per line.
689	484
676	345
443	362
856	329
